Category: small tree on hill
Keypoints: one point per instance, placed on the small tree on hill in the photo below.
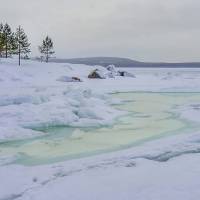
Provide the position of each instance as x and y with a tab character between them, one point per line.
46	48
21	43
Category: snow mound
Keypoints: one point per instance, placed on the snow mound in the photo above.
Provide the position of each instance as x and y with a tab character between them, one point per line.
37	95
109	72
71	107
21	99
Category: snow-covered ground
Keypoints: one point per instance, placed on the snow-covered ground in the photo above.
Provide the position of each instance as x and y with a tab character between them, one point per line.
35	95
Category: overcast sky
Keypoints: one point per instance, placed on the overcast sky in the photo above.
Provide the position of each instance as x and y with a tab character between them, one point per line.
146	30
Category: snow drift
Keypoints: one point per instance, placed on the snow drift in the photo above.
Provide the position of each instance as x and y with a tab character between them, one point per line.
31	97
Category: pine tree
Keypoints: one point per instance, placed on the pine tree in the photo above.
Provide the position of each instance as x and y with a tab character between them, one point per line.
7	38
13	44
21	44
1	40
47	48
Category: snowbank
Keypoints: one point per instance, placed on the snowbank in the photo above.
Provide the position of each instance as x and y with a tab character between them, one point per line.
31	97
68	107
172	180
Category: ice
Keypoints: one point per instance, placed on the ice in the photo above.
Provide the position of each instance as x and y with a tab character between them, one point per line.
65	109
77	134
11	131
190	112
21	99
130	173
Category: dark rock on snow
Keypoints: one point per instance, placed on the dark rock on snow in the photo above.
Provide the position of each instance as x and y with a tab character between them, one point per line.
69	79
126	74
96	74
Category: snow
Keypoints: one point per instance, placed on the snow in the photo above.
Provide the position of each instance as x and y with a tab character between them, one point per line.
68	79
39	100
123	175
190	112
158	179
31	97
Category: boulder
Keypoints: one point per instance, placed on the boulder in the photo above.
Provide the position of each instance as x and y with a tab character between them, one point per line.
126	74
69	79
97	74
76	79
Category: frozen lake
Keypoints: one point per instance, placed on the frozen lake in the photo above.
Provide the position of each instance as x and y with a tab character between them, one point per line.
150	116
129	150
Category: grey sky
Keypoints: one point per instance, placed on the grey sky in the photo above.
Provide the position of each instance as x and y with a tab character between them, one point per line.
150	30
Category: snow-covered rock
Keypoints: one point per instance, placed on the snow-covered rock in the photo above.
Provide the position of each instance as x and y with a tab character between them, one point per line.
114	72
109	72
69	79
97	74
126	74
111	68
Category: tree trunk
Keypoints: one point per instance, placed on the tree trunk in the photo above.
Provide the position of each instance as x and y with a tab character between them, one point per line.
47	59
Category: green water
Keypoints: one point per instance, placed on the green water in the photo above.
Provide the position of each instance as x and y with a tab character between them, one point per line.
151	116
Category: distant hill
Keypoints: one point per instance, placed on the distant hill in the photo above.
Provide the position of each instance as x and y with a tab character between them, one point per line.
124	62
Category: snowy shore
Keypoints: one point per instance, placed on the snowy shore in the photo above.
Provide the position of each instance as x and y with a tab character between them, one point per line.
32	96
